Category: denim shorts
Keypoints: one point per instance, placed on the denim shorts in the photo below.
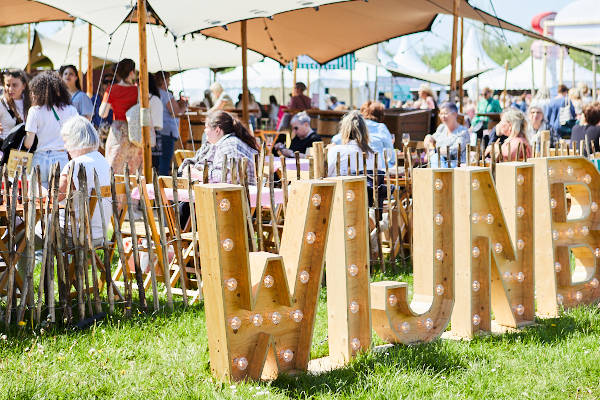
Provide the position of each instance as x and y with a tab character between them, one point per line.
47	159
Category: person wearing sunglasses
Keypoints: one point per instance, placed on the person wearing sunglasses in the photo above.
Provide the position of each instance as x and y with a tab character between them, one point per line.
304	136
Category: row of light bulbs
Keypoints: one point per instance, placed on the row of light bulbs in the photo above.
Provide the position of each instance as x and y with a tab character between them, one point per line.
569	171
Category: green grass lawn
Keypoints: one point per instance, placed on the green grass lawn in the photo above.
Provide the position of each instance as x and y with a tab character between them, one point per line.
165	356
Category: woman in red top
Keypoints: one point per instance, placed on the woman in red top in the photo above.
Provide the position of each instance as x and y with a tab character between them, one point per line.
120	97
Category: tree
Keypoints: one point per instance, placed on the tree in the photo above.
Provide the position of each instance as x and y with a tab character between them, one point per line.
500	50
436	59
13	34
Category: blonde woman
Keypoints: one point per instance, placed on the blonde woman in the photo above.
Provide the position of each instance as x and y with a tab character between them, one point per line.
355	140
513	125
426	100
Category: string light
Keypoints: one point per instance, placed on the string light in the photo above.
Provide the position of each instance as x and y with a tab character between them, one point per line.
297	315
276	318
520	309
555	235
287	355
235	323
594	283
257	320
498	248
569	170
489	219
550	171
520	277
587	179
520	211
594	206
553	203
559	298
404	327
475	218
520	244
578	296
428	324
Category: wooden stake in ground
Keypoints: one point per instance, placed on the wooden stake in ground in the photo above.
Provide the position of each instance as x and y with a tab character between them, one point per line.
119	242
178	245
107	261
162	221
194	232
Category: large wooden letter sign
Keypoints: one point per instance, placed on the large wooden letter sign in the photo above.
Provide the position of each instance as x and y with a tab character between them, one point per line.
348	307
488	265
427	316
568	194
256	326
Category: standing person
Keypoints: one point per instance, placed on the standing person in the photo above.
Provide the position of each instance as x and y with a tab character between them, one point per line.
120	97
97	121
273	110
486	105
15	102
156	110
79	99
50	110
561	112
166	138
299	100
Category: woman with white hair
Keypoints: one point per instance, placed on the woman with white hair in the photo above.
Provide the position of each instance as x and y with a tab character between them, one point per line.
81	142
536	124
221	100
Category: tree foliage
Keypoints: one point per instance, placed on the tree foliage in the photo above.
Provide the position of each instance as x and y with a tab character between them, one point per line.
436	59
500	50
13	34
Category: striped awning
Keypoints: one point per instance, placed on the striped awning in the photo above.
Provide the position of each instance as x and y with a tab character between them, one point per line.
344	62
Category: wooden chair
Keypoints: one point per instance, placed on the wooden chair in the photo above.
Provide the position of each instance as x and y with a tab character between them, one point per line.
184	264
181	155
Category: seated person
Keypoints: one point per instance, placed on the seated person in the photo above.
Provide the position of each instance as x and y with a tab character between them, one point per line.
380	138
591	130
332	103
304	137
449	134
354	140
221	100
513	126
81	142
225	137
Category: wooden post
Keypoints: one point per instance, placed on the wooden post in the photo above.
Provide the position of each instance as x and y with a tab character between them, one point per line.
461	91
28	48
351	90
505	83
454	50
294	71
245	116
282	87
594	94
90	67
143	95
532	74
561	67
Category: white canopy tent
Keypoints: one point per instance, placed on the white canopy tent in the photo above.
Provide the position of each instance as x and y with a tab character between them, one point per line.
64	46
407	58
522	78
13	55
578	23
475	57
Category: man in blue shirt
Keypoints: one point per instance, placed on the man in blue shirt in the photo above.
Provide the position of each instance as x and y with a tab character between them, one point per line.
553	113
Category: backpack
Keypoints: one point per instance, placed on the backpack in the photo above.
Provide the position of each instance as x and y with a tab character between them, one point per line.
134	126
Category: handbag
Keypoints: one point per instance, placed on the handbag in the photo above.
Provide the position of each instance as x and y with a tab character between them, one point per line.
14	143
134	126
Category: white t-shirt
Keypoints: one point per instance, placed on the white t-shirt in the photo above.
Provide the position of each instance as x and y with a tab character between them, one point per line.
6	120
347	151
92	161
42	121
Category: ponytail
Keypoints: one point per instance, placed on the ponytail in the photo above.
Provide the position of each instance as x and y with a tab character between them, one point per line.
229	124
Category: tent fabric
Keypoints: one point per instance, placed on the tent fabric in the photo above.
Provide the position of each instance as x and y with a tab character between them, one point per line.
284	29
520	77
193	53
406	58
579	34
13	56
17	12
473	51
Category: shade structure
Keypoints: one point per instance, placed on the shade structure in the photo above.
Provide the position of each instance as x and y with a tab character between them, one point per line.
572	30
406	57
284	29
17	12
520	77
472	52
63	48
13	55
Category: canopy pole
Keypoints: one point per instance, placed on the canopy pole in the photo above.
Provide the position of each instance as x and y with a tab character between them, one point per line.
573	71
144	100
545	60
28	48
456	4
90	69
594	94
561	66
477	82
245	115
505	83
532	74
282	87
462	75
80	66
295	68
351	90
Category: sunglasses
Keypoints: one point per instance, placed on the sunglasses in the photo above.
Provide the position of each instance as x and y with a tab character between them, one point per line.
295	128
